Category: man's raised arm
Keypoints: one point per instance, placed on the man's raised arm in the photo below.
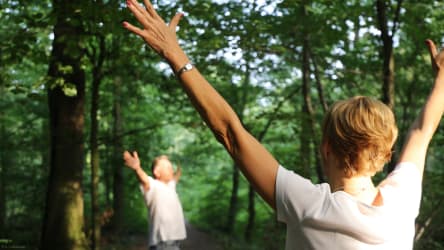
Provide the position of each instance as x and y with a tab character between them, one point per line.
178	173
132	161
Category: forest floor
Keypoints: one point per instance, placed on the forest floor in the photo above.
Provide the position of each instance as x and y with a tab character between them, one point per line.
196	240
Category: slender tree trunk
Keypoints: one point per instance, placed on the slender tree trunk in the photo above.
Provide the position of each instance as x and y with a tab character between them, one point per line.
63	221
388	87
118	190
251	213
108	174
3	164
2	198
107	178
319	86
251	192
232	211
429	226
45	150
315	138
97	57
95	165
307	111
388	64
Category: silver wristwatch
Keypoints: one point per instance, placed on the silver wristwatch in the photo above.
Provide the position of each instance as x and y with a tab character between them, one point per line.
187	67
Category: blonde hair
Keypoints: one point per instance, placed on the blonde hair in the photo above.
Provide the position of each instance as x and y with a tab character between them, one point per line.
156	160
361	132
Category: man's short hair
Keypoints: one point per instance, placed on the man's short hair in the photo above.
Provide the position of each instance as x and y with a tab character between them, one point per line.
361	132
156	160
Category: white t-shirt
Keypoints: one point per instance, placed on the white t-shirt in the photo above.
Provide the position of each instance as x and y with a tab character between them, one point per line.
319	219
165	212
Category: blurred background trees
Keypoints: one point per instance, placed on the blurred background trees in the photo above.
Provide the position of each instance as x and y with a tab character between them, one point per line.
77	89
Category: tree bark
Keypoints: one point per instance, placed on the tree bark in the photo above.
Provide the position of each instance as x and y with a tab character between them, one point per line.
118	190
97	58
307	112
251	192
3	164
251	213
232	211
63	221
388	64
95	165
107	177
319	86
315	139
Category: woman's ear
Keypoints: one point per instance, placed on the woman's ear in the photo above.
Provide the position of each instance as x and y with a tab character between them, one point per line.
325	155
325	149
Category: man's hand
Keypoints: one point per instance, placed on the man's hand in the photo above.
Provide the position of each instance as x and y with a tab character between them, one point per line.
131	161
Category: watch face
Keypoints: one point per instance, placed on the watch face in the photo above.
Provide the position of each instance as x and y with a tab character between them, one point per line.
188	67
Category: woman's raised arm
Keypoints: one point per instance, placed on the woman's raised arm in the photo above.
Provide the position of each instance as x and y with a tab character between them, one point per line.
256	163
425	125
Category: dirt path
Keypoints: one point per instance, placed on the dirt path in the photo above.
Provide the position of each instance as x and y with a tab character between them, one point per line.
199	240
196	240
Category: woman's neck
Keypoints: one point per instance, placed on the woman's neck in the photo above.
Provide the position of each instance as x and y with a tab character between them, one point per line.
352	185
360	187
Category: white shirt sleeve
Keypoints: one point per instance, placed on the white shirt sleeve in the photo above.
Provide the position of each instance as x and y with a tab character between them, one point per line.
147	195
172	184
296	195
402	188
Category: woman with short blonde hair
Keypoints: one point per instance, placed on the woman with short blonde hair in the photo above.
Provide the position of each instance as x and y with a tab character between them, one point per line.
348	212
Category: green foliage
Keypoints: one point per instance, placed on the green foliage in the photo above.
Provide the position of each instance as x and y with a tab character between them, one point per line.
252	54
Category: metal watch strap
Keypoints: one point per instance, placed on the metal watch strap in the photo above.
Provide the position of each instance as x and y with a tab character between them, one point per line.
187	67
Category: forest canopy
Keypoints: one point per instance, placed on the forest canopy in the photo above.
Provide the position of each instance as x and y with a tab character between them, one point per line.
77	90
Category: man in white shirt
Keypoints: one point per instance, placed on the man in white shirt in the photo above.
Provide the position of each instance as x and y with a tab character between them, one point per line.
167	223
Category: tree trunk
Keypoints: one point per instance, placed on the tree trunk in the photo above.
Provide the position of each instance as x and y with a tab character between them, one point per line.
315	139
319	86
388	69
306	113
118	190
388	65
251	192
95	167
107	177
3	164
97	57
2	198
232	211
63	221
251	213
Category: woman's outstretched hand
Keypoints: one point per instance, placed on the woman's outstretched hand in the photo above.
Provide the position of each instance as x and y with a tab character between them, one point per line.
257	164
437	57
156	33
